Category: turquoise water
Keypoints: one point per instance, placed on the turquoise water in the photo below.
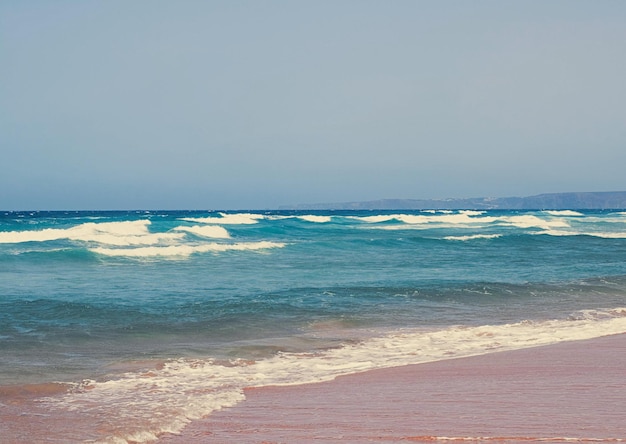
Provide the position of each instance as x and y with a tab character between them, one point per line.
103	296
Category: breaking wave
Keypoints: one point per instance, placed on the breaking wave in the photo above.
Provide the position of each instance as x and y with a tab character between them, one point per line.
210	231
227	219
185	250
170	395
126	233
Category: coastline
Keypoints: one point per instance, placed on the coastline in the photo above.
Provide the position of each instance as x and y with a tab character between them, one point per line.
567	392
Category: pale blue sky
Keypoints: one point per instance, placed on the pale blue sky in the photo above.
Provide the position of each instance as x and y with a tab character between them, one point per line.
255	104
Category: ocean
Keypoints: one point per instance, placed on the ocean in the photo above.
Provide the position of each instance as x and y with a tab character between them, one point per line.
134	323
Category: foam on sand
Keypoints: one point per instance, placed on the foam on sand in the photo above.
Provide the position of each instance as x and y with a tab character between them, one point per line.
566	393
167	397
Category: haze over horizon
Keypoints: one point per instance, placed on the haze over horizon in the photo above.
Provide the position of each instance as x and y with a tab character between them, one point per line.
254	105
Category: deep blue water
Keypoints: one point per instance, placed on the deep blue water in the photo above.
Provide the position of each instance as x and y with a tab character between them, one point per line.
79	290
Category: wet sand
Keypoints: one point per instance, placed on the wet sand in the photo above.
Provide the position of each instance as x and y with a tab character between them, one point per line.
569	392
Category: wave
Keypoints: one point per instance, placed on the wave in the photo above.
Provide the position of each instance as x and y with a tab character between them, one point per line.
604	235
531	221
211	231
473	220
250	218
464	217
472	237
125	233
451	219
569	213
314	218
183	251
373	219
227	219
469	219
168	396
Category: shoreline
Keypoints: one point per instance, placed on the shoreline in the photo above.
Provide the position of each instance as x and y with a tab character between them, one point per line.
567	392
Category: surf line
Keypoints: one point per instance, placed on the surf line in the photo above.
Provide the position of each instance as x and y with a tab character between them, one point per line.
509	439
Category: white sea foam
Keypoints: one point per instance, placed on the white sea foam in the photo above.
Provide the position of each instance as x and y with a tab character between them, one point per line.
228	219
111	233
448	218
211	231
563	213
462	218
314	218
472	237
472	212
621	235
305	217
466	218
531	221
373	219
166	398
440	211
48	234
183	251
604	235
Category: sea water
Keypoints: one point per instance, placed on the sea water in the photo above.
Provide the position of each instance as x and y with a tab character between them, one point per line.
150	319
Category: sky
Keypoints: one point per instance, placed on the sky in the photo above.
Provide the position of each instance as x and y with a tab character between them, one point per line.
247	104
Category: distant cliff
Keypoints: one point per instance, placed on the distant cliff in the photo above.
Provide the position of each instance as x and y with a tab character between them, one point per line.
551	201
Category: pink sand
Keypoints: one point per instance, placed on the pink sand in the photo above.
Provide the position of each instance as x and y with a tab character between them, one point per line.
571	390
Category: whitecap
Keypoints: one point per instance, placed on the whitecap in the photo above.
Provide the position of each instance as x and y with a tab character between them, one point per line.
228	219
48	234
465	217
472	237
563	213
604	235
211	231
111	233
183	251
472	212
531	221
372	219
305	217
314	218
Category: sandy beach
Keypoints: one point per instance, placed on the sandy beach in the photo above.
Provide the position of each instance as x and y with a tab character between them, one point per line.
569	392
